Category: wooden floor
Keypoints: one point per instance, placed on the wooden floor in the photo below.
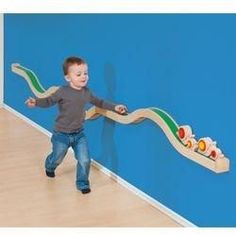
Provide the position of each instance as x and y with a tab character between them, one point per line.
29	198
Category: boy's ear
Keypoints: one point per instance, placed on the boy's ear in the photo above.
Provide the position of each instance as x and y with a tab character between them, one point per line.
67	78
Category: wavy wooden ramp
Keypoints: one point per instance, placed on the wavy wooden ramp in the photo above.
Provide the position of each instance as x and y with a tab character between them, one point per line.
160	117
33	81
220	165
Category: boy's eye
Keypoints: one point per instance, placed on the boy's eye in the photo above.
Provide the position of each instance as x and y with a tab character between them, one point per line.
86	73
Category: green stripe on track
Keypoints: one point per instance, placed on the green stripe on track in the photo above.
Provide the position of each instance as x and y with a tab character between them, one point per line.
33	79
168	120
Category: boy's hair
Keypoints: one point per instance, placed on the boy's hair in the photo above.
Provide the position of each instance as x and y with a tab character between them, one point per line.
71	61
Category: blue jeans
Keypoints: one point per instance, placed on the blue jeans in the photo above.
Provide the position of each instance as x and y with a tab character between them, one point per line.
60	144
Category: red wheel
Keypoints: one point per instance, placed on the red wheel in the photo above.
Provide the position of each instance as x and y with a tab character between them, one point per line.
213	154
181	133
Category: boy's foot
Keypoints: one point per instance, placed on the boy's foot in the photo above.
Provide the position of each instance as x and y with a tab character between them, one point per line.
86	190
50	174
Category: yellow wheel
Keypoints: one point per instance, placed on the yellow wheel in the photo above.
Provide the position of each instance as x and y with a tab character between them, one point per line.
202	145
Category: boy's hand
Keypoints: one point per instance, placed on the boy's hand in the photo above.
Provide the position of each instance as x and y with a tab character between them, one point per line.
30	102
121	109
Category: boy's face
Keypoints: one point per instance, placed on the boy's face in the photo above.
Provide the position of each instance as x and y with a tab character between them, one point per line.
77	75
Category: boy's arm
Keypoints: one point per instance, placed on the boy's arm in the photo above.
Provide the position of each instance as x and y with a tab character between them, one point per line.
48	101
101	103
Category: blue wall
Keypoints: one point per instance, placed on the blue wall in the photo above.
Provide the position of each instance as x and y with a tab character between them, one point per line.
184	64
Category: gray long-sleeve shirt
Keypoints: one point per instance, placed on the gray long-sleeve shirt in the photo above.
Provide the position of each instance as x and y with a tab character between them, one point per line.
71	103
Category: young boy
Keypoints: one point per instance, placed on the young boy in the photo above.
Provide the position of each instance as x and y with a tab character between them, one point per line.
68	129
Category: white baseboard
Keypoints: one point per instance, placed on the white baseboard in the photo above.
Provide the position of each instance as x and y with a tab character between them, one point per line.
173	215
176	217
35	125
